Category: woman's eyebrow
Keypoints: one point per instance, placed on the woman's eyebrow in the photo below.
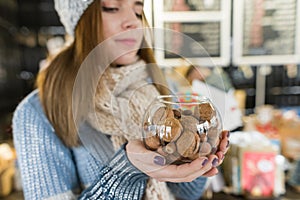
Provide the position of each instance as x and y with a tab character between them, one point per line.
139	3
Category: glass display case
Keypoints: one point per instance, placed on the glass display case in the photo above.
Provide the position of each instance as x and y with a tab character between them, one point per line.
266	32
197	31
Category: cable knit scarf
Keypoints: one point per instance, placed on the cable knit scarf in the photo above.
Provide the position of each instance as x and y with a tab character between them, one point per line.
122	96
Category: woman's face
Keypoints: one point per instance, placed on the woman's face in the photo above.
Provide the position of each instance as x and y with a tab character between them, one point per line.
122	23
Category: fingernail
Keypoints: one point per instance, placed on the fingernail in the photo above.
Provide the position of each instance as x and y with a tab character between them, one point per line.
214	150
204	162
159	160
215	162
228	134
228	143
223	156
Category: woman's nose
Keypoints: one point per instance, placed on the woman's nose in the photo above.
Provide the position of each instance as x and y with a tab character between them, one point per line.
130	20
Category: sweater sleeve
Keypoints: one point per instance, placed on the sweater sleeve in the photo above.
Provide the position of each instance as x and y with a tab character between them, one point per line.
46	165
118	180
189	190
48	169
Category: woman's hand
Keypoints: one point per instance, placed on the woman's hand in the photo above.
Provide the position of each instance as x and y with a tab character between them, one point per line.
222	150
153	164
223	146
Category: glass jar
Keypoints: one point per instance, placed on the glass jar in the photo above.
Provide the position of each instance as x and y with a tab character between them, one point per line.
182	127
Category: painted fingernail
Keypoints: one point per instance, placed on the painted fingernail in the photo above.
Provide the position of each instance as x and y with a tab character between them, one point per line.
159	160
215	162
204	162
228	134
228	143
213	150
223	156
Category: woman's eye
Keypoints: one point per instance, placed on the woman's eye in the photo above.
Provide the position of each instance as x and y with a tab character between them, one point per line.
109	9
139	15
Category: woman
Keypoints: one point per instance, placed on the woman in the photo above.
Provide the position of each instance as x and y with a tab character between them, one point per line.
55	161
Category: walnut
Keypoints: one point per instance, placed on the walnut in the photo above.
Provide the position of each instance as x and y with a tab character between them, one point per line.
159	116
173	129
182	136
196	149
152	142
169	112
206	111
186	144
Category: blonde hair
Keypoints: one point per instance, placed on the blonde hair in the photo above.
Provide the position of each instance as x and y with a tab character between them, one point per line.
55	83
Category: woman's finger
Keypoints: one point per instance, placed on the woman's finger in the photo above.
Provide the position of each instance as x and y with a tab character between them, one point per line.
213	171
188	172
145	160
154	164
224	144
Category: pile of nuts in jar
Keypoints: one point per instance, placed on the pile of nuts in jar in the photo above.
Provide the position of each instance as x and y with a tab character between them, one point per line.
183	135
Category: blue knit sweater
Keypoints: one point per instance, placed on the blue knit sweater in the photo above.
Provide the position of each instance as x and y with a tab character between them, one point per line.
50	170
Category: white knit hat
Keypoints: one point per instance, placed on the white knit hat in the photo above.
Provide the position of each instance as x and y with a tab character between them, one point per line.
70	11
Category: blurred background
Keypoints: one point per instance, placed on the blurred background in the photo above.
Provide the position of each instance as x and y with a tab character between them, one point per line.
254	46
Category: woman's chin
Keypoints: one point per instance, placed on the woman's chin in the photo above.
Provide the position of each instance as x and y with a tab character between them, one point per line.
126	60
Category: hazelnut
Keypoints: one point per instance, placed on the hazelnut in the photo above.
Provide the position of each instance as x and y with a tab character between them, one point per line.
214	141
213	133
177	113
189	123
169	148
203	137
187	112
205	149
213	136
196	113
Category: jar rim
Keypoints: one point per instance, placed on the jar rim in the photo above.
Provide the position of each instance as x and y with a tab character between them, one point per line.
178	98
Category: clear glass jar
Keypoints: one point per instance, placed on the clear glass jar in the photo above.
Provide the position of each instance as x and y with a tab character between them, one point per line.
182	127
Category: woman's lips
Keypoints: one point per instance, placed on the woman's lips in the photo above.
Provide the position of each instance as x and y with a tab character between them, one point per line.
127	41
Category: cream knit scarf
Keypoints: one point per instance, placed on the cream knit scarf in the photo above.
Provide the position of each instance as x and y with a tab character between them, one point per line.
122	96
